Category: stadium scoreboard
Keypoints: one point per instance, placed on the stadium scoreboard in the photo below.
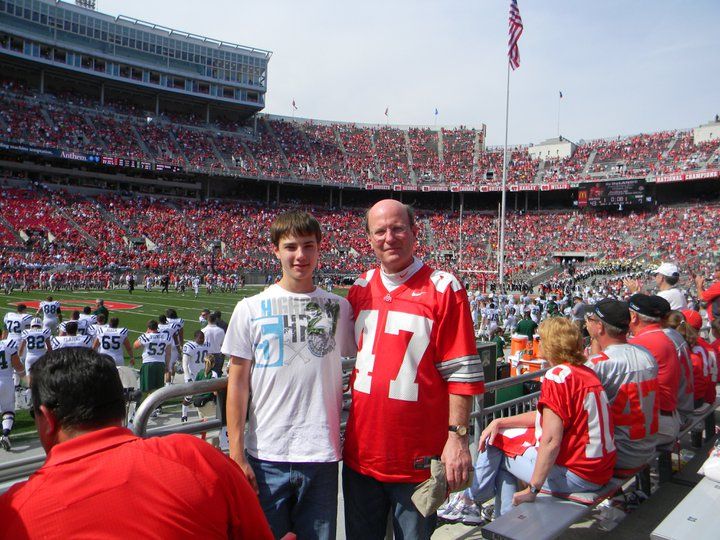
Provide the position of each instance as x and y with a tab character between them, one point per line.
623	192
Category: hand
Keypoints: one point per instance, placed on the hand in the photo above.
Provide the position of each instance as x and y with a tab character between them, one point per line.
488	435
248	471
633	285
523	496
699	282
132	362
457	460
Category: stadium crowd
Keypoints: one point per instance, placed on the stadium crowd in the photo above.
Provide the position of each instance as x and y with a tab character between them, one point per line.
144	234
332	152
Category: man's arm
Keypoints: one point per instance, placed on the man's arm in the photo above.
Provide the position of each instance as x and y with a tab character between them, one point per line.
456	454
129	350
137	344
186	364
237	405
17	365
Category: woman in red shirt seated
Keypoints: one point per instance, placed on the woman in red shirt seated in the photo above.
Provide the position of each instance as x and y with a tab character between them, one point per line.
565	446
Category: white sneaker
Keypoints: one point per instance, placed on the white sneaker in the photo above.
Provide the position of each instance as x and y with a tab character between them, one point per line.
449	510
5	443
469	514
463	511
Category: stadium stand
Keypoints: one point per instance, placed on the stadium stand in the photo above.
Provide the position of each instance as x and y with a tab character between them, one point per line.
335	153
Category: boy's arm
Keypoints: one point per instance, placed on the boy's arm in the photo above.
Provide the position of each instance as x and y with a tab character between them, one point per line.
238	394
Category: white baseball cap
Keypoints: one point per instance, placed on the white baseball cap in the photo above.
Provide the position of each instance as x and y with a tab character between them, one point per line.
667	269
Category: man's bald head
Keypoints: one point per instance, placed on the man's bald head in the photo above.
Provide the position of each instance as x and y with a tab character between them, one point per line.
387	205
391	230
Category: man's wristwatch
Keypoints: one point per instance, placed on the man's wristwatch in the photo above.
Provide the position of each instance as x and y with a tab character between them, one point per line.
460	430
533	489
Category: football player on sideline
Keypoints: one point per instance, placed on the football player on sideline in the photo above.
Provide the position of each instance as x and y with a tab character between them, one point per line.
16	322
192	362
9	364
51	313
111	340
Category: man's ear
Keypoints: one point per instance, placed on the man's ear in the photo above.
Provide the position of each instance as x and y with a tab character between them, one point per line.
48	427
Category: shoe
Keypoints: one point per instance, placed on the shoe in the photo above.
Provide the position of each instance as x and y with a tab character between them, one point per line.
183	419
5	443
488	512
450	510
469	514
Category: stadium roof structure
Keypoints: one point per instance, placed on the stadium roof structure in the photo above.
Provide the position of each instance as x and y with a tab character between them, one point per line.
58	40
187	35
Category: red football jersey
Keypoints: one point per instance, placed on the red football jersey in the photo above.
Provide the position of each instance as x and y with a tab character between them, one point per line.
701	377
416	346
575	394
711	366
663	350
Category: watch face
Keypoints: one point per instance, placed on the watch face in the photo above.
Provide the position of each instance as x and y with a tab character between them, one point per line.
460	430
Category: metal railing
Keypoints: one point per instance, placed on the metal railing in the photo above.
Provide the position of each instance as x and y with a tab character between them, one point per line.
160	396
20	469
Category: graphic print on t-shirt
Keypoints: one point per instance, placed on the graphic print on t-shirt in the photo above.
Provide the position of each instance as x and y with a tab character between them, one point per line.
289	325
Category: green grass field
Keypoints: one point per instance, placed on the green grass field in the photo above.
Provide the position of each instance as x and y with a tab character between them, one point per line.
148	305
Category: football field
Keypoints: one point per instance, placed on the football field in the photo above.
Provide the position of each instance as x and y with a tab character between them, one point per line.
134	311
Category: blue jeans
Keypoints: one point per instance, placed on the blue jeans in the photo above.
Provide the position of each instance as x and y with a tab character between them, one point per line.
497	474
368	503
298	497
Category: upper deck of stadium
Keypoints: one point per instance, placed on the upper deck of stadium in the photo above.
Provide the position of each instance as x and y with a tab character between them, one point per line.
58	39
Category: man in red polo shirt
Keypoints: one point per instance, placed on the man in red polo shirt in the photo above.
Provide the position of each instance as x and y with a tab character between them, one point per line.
646	313
95	468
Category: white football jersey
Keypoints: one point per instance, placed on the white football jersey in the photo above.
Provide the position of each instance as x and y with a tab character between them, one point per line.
154	345
63	342
91	318
8	347
15	323
179	323
110	342
50	310
170	330
82	326
196	358
35	340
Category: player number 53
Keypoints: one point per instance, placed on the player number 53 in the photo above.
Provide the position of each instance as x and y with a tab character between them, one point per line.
403	386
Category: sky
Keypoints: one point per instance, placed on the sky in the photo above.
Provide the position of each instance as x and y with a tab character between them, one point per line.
623	67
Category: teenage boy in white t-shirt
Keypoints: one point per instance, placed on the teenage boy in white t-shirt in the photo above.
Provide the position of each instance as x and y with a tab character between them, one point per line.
286	344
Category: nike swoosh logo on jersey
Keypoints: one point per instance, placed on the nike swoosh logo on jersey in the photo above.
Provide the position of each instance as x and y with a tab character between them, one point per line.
417	293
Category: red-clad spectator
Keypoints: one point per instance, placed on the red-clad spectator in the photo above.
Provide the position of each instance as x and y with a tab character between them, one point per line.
646	313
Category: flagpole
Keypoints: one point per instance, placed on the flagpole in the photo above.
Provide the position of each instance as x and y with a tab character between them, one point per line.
460	232
504	183
559	102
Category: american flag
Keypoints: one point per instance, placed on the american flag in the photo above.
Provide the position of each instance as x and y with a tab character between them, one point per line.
516	30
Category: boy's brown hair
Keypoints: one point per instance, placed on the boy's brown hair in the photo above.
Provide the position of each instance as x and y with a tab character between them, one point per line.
294	223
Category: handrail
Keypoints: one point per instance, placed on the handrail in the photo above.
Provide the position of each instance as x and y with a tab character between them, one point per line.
494	386
22	468
158	397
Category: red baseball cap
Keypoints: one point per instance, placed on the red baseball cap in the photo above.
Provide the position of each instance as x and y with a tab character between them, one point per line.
693	318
